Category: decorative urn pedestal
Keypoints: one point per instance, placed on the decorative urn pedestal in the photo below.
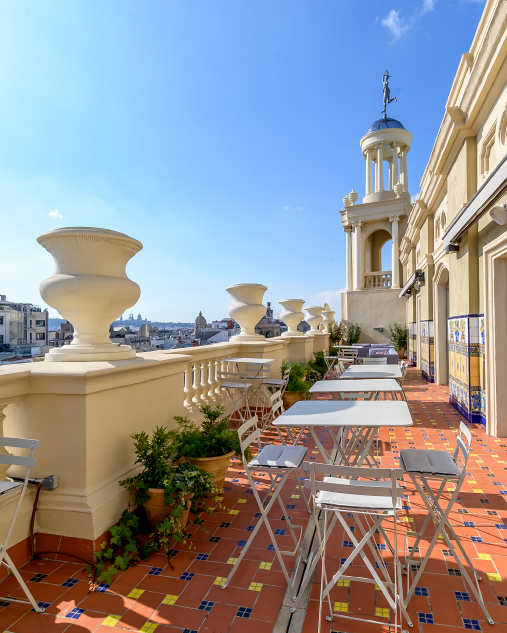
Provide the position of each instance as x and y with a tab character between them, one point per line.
247	310
292	315
314	319
90	288
328	320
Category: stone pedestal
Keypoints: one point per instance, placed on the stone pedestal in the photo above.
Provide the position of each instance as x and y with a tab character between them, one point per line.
247	310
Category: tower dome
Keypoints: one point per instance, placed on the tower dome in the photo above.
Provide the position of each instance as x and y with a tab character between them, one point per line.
382	124
200	323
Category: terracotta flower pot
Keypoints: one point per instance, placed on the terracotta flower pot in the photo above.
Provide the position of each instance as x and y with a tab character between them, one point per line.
156	511
215	466
291	397
401	354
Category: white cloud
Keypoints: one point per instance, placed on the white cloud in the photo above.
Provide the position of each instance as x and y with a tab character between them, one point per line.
399	26
333	297
56	214
396	25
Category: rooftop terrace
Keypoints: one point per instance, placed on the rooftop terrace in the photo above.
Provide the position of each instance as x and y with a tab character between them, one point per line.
183	595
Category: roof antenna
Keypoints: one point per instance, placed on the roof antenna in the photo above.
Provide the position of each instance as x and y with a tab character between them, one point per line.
387	92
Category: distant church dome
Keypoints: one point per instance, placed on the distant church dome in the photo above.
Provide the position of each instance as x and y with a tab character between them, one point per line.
200	322
382	124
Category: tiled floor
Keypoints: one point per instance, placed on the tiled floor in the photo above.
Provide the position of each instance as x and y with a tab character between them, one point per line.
186	597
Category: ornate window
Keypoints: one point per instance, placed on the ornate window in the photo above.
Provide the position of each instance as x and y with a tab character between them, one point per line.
437	228
488	152
443	221
502	127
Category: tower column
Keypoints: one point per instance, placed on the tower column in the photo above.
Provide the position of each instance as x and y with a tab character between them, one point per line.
390	185
379	172
348	258
358	268
368	188
396	176
395	265
404	168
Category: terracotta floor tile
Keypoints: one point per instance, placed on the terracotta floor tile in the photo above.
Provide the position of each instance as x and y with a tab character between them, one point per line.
496	611
69	600
243	625
163	584
41	623
231	595
268	604
11	614
89	621
66	570
106	603
179	616
220	619
195	591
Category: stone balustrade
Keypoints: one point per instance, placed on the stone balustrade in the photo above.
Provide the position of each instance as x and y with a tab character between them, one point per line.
379	279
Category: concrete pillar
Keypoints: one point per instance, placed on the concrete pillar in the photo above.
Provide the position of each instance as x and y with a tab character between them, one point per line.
403	169
368	188
391	183
358	252
379	172
348	258
395	265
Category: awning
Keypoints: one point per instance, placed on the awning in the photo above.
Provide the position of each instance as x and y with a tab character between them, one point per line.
494	187
409	284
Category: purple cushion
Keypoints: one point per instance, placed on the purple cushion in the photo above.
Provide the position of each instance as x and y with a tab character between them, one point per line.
390	353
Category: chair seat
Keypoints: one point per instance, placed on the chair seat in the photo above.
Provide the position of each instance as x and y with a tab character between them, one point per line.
353	500
5	486
428	462
279	456
278	382
236	385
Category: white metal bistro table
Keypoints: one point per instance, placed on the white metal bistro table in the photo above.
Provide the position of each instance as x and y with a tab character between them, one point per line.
362	419
358	389
247	381
368	372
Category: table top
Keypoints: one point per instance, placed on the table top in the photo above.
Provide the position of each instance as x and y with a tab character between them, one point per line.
348	386
253	361
368	372
346	413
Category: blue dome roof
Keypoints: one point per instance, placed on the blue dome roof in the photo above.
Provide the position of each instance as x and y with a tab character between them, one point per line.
381	124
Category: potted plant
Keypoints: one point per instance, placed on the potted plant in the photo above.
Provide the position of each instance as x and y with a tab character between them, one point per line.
165	485
398	334
335	335
351	332
302	376
208	446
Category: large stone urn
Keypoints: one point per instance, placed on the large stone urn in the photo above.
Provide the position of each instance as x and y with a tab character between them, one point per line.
90	288
247	310
314	319
292	315
329	319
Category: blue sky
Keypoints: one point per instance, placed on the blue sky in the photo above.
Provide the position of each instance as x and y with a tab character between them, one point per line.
223	135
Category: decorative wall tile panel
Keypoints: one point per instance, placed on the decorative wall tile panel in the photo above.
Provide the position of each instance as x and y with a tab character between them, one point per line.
427	363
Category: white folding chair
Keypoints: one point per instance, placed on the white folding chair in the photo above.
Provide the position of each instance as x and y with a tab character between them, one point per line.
18	486
276	409
425	465
235	386
347	352
279	384
370	502
331	362
374	361
279	462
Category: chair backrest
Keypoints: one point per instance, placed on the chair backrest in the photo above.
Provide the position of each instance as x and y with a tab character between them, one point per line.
231	376
395	491
285	378
375	361
403	367
463	444
276	401
251	430
19	460
348	352
252	370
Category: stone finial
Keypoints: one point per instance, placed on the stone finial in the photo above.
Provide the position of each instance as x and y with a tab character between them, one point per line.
398	189
292	315
247	310
353	196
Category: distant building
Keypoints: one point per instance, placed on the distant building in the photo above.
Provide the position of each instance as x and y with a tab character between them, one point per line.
63	336
23	326
268	326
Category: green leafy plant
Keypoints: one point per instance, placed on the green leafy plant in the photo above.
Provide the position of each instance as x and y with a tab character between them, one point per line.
398	334
335	333
302	374
351	332
162	468
318	365
212	438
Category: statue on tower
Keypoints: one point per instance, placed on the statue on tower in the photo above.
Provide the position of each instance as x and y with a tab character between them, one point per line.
387	92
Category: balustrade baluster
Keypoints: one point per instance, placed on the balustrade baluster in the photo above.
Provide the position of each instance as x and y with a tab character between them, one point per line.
188	388
197	383
212	379
204	382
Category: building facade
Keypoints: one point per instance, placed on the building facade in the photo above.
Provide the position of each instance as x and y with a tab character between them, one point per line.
454	250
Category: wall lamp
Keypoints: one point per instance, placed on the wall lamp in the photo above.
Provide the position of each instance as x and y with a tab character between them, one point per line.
379	329
499	214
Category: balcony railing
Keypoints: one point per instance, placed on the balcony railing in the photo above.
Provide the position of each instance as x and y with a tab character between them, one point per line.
379	279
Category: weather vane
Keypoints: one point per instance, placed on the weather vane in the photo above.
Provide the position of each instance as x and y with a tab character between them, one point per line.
387	92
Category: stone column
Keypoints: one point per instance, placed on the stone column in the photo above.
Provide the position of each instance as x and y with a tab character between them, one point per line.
368	188
348	258
395	265
379	172
396	175
358	268
390	161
